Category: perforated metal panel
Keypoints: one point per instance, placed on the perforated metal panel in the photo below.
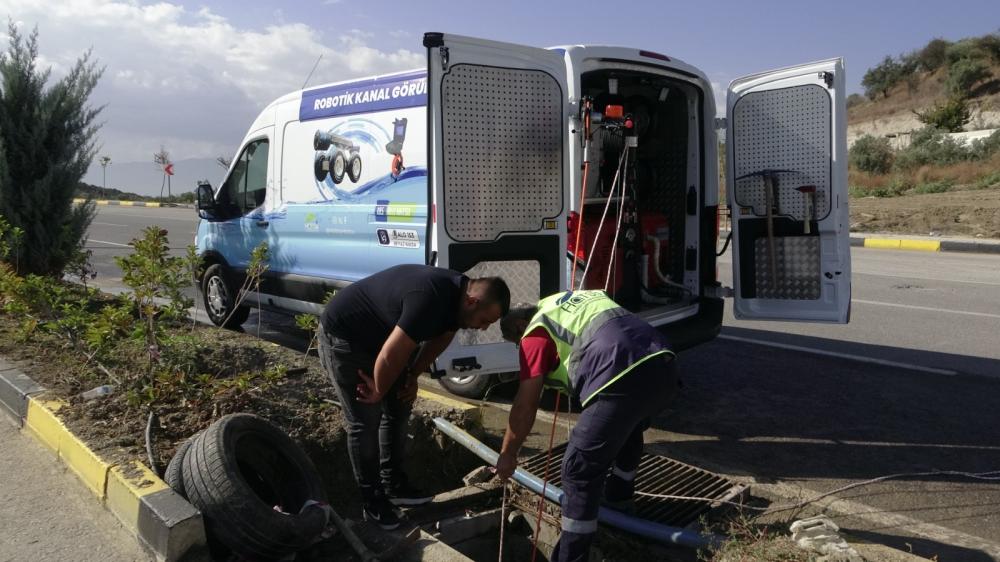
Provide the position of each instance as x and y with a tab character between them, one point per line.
787	133
796	263
502	139
522	279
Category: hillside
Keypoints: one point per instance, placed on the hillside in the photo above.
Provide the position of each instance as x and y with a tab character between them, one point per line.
917	81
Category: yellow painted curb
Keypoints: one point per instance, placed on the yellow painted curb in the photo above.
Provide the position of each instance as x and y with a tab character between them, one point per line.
882	243
101	202
126	489
471	412
901	244
126	203
920	245
150	204
43	423
78	201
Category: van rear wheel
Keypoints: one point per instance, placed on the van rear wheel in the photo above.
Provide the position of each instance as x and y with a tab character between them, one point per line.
220	299
469	386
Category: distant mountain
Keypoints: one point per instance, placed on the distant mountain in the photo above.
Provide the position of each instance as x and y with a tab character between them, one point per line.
144	178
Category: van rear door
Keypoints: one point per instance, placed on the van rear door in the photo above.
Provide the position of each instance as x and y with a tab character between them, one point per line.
787	188
497	118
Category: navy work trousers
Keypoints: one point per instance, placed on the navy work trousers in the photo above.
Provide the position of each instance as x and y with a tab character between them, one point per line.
608	437
376	433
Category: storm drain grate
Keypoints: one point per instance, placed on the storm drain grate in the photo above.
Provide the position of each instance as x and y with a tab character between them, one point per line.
659	475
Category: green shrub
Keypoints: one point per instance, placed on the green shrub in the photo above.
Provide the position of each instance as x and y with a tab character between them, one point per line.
988	181
930	146
951	117
854	99
933	187
963	75
966	49
984	148
932	56
990	46
871	154
882	77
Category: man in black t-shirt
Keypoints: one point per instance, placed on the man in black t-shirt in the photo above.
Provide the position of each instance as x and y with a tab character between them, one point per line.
376	336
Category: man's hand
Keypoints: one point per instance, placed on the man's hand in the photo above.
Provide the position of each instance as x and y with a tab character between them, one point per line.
408	392
367	394
506	465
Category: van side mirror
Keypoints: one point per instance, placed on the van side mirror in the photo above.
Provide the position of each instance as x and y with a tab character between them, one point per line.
205	198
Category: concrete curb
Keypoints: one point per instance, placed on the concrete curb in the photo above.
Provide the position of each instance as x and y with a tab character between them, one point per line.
165	524
470	412
921	245
112	202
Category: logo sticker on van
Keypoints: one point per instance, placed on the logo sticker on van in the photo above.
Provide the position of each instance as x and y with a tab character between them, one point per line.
394	212
397	238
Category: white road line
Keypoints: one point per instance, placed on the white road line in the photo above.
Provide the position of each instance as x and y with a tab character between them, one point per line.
928	308
108	224
849	356
106	242
912	278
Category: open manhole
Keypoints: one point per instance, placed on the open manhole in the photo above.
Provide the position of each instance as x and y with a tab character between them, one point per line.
663	476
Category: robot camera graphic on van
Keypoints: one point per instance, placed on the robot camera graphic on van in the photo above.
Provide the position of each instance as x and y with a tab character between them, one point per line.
335	155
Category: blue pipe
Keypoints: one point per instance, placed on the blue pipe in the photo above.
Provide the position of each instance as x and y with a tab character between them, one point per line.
648	529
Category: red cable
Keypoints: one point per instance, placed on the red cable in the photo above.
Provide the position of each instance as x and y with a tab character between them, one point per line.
545	480
583	193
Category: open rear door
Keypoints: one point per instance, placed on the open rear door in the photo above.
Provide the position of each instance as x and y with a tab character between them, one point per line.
787	187
498	127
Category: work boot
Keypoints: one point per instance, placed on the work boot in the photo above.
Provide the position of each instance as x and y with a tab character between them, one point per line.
618	494
381	512
403	493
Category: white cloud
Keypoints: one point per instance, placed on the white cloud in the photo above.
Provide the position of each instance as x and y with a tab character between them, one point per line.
190	78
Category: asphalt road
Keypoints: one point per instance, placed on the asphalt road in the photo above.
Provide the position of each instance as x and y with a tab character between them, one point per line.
910	385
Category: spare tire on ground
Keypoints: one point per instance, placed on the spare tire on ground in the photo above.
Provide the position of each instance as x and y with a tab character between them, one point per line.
251	482
172	475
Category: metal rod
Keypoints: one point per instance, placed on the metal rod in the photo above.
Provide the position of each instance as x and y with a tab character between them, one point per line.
641	527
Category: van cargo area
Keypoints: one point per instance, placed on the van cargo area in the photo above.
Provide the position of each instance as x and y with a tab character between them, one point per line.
644	163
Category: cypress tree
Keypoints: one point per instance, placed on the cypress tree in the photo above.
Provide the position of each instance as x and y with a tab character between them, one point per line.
47	141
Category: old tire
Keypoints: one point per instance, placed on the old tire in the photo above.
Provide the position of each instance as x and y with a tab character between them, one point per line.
172	475
219	296
239	473
354	168
470	386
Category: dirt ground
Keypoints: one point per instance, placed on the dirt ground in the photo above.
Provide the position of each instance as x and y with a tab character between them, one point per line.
974	213
301	403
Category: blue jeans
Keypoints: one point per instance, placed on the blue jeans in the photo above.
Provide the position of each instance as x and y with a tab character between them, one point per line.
376	433
608	437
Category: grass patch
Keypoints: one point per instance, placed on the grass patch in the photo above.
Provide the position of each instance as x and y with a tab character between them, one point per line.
932	187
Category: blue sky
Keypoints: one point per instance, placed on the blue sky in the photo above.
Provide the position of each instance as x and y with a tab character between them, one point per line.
192	75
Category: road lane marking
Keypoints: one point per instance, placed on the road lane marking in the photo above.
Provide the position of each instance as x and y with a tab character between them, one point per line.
854	443
850	356
112	243
912	278
109	224
927	308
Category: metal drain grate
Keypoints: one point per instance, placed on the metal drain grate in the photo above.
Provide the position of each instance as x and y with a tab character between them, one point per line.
659	475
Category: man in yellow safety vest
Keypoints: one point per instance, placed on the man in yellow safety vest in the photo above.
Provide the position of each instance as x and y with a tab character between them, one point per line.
619	367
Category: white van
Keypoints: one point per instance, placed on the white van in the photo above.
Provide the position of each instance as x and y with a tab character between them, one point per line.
488	160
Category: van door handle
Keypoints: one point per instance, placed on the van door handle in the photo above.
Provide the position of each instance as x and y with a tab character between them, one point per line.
262	224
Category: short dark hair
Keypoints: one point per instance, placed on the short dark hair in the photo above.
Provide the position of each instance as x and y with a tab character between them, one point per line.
508	324
494	291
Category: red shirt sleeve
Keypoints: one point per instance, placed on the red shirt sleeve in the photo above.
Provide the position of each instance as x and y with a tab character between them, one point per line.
537	354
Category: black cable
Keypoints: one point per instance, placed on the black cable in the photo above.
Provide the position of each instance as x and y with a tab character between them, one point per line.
726	245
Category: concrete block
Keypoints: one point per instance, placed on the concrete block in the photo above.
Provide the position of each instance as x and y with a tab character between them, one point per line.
15	388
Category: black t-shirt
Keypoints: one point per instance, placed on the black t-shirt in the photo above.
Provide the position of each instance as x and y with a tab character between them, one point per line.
421	299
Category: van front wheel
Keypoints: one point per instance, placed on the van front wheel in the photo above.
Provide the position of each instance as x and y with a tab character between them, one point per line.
220	299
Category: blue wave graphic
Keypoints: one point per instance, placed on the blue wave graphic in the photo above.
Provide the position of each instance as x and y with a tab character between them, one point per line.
375	186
